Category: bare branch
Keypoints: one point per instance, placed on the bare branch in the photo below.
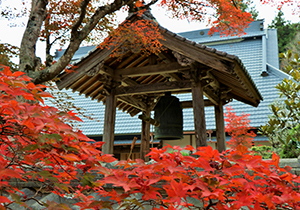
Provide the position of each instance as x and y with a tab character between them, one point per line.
77	24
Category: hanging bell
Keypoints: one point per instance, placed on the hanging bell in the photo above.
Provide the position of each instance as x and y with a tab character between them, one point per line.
168	111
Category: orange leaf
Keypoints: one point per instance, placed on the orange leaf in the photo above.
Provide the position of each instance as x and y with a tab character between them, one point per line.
4	199
275	159
18	73
29	124
7	71
28	97
189	147
71	157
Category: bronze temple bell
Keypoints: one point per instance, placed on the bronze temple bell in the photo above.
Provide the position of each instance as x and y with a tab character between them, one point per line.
168	111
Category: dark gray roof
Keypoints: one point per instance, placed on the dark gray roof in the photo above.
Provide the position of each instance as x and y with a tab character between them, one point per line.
256	50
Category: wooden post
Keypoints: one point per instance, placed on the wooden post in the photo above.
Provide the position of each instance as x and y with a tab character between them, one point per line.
145	137
220	128
199	116
109	123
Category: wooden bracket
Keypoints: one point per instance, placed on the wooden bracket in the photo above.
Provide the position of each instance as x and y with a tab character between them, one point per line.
95	70
211	80
182	59
149	119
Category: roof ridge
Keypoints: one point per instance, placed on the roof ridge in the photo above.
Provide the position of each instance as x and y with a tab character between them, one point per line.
278	72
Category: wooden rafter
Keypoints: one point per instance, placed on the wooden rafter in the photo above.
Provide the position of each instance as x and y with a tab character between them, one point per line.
154	88
134	102
150	70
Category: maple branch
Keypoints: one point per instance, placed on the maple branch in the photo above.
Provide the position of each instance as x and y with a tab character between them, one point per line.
146	6
235	4
210	204
101	12
61	166
76	25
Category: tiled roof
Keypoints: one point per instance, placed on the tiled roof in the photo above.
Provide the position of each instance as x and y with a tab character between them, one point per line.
82	51
249	51
255	30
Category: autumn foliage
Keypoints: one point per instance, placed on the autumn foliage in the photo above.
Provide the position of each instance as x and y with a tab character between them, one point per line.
230	180
238	127
145	39
38	145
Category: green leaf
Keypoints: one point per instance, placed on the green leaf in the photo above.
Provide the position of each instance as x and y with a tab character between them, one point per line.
62	186
46	137
282	55
87	180
293	63
47	175
288	139
280	139
296	56
30	147
289	54
16	198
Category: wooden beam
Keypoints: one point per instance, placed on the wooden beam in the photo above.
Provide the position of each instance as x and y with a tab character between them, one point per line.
210	94
189	104
199	115
154	88
128	82
109	123
133	102
83	67
220	128
201	55
166	58
145	137
150	70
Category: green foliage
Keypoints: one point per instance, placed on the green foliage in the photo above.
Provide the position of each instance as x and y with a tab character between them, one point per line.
247	6
291	60
285	29
292	149
283	125
264	151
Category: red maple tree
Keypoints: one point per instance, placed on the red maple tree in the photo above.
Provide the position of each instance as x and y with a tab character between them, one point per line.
36	143
238	127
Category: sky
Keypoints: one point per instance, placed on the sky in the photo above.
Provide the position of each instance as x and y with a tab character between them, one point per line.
13	35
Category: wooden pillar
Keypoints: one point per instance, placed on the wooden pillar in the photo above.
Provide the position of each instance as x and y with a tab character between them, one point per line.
145	136
199	116
220	128
109	123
